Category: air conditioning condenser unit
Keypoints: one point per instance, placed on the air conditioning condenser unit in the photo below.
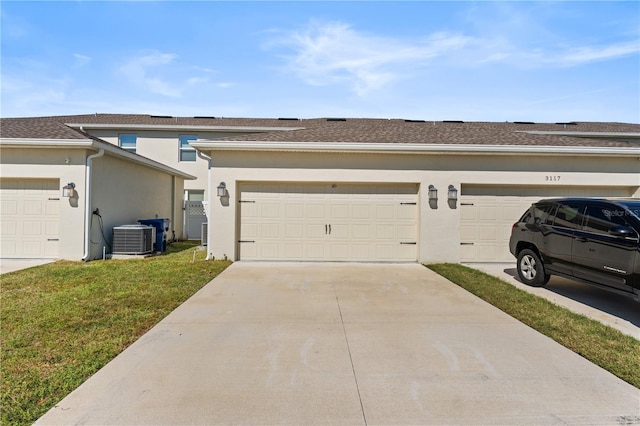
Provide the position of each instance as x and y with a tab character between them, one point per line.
133	239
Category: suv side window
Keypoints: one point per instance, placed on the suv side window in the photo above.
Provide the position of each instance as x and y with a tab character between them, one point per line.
542	213
568	216
600	218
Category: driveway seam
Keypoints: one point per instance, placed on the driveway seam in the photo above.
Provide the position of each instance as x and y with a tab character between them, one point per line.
355	377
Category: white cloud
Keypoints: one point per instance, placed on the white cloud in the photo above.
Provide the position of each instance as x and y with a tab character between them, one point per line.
336	53
138	71
587	54
81	60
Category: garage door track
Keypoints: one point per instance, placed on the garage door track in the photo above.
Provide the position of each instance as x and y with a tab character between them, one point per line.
318	343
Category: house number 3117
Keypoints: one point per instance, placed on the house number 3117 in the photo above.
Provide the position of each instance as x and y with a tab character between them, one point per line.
550	178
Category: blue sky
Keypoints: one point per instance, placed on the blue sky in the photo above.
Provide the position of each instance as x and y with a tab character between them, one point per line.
473	61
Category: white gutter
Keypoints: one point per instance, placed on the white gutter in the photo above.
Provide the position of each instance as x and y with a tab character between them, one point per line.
87	204
414	148
208	192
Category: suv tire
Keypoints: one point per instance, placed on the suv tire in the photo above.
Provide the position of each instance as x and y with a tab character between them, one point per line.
530	269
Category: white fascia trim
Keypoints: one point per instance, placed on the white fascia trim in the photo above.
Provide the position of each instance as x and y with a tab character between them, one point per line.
45	143
606	135
180	127
94	145
400	148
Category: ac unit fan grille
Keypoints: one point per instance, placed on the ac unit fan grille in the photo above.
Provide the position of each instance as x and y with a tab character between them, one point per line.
133	240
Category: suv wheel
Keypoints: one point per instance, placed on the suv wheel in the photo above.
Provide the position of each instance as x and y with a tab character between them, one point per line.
530	269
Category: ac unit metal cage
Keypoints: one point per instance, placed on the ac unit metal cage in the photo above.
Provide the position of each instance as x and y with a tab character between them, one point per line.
133	239
204	234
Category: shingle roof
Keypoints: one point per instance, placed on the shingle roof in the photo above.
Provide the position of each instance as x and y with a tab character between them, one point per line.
342	130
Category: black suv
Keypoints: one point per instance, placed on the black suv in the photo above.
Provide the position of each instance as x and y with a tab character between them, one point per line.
596	241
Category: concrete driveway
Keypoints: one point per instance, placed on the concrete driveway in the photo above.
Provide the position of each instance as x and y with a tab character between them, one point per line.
348	344
11	265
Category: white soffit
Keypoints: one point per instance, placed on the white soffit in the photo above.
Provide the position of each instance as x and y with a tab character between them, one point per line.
400	148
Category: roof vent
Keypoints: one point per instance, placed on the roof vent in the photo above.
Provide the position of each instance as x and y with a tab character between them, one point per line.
414	121
452	121
288	119
523	122
336	119
203	117
161	116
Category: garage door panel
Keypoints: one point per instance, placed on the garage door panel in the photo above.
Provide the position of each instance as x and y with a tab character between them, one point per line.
335	221
295	211
488	212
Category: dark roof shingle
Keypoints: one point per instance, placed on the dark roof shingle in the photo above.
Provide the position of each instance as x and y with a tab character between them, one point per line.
356	130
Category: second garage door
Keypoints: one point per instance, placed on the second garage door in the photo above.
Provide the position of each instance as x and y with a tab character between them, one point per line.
328	222
488	212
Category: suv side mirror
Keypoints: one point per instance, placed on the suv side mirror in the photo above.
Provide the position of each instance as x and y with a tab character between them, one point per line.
623	231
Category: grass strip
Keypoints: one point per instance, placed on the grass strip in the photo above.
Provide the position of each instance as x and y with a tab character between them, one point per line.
605	346
61	322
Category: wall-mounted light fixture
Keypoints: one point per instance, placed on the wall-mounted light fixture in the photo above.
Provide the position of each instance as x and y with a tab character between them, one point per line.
222	189
452	193
433	193
69	189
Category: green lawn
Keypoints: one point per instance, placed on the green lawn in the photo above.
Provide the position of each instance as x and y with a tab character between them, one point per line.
63	321
603	345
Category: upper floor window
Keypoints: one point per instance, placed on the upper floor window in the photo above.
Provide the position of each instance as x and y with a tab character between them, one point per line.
187	152
128	141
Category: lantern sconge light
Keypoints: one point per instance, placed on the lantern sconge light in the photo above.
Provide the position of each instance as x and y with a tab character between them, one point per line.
222	189
68	190
452	193
433	193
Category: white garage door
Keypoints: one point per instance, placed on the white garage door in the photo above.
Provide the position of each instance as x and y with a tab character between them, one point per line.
488	212
328	222
29	217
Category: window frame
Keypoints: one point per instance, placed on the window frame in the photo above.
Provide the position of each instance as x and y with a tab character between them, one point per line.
187	148
127	145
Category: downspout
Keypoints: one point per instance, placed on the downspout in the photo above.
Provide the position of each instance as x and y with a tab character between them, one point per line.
87	204
208	159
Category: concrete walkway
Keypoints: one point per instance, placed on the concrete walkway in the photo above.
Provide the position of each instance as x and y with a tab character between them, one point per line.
347	344
612	309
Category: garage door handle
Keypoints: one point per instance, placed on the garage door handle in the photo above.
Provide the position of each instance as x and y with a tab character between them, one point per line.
466	244
246	241
53	239
413	243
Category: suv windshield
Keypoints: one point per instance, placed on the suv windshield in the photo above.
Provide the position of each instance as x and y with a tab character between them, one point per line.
632	206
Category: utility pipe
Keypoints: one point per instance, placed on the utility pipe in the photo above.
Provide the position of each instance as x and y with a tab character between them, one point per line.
87	203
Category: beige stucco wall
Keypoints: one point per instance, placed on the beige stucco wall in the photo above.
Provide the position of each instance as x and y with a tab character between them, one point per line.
125	192
163	147
439	231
